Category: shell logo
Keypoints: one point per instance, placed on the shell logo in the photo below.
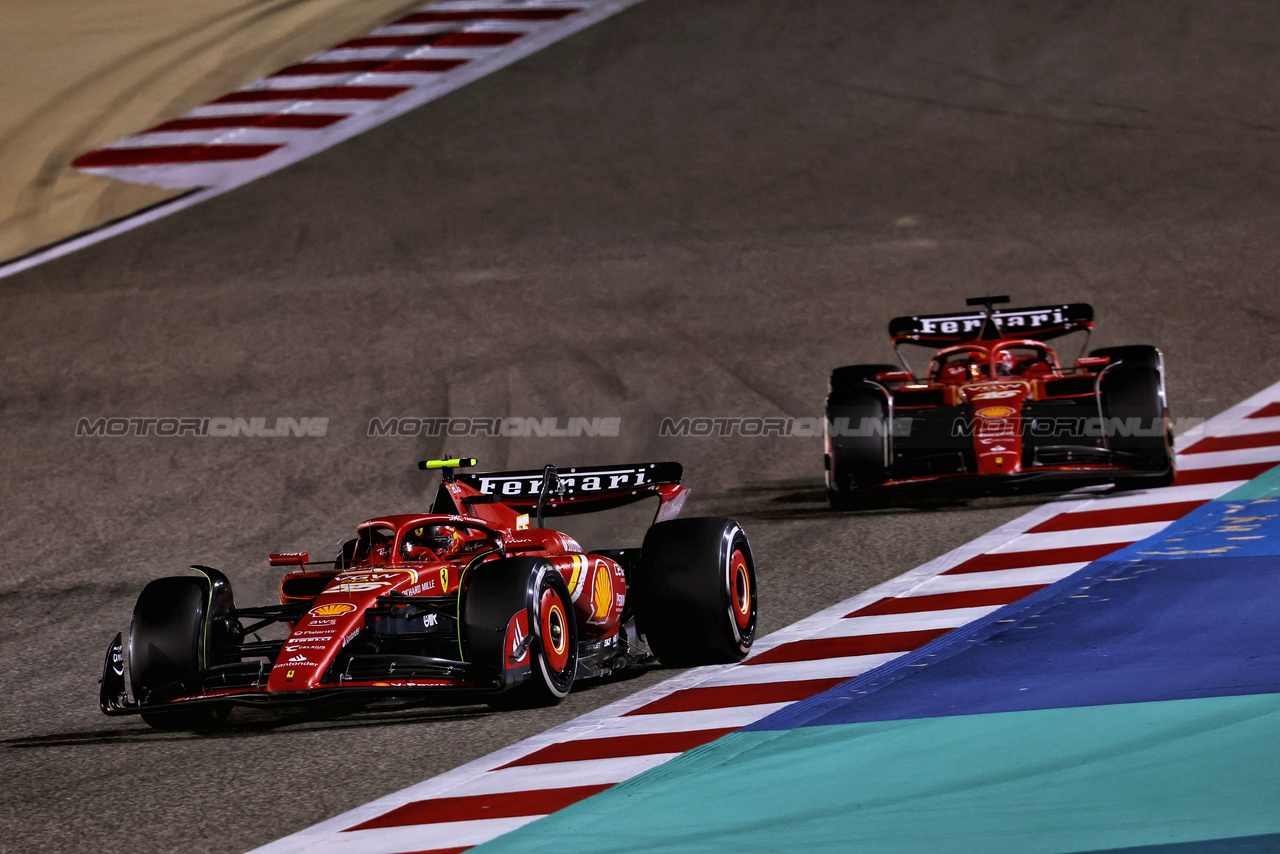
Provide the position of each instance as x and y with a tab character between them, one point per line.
994	412
601	592
333	610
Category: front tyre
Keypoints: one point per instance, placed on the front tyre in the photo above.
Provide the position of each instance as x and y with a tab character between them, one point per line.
166	650
1136	415
555	640
695	592
856	437
498	591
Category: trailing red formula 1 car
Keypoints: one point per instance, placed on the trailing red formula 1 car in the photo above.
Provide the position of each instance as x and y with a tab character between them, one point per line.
466	603
996	412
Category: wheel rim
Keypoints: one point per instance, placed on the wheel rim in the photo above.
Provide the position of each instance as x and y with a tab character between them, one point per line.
555	632
740	583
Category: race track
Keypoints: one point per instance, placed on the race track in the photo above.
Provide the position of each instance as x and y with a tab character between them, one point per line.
690	209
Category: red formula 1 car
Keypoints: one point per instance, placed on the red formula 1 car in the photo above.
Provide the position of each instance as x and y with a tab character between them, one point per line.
996	412
467	603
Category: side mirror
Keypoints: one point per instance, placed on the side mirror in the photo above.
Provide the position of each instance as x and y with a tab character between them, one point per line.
289	559
1091	363
895	377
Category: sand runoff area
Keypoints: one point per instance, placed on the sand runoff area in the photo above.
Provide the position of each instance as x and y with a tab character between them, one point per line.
80	75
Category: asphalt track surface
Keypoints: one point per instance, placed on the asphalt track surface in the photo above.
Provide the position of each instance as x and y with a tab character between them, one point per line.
689	209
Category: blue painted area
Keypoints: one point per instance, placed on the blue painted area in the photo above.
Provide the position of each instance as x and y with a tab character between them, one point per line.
1190	612
1227	527
1137	631
1266	844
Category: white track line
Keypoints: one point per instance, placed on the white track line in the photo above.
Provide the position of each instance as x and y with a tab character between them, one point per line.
1167	495
912	622
1252	426
1104	535
1220	459
798	671
1021	577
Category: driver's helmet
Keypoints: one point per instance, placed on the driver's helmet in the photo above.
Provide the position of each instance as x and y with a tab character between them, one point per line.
1005	363
421	542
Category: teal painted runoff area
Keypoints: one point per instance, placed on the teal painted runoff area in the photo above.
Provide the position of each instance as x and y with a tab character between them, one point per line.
1265	485
1053	780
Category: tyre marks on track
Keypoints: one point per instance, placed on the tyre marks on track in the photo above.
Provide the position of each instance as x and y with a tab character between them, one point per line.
546	773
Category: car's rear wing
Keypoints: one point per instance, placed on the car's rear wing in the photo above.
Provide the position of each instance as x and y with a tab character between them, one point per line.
553	491
1039	323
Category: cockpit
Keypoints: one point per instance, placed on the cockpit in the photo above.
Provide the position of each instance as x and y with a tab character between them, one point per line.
437	539
970	363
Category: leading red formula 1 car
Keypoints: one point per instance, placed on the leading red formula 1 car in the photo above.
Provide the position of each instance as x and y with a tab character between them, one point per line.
996	411
469	602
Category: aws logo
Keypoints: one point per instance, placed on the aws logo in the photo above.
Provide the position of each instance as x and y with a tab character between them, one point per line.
335	609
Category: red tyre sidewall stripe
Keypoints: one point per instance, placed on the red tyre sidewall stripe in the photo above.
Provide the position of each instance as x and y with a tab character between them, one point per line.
740	589
551	612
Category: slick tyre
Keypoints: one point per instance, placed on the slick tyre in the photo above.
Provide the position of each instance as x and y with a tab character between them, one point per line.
496	592
856	438
1136	415
851	376
695	592
165	646
1132	356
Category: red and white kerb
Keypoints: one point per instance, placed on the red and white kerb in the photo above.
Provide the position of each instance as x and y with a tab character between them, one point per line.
338	93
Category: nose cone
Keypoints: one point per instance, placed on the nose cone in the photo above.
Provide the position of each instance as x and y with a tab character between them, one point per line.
338	614
314	641
996	416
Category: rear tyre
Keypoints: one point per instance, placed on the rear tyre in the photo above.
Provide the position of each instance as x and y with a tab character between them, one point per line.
853	375
166	646
1136	415
1132	356
495	593
856	431
695	592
